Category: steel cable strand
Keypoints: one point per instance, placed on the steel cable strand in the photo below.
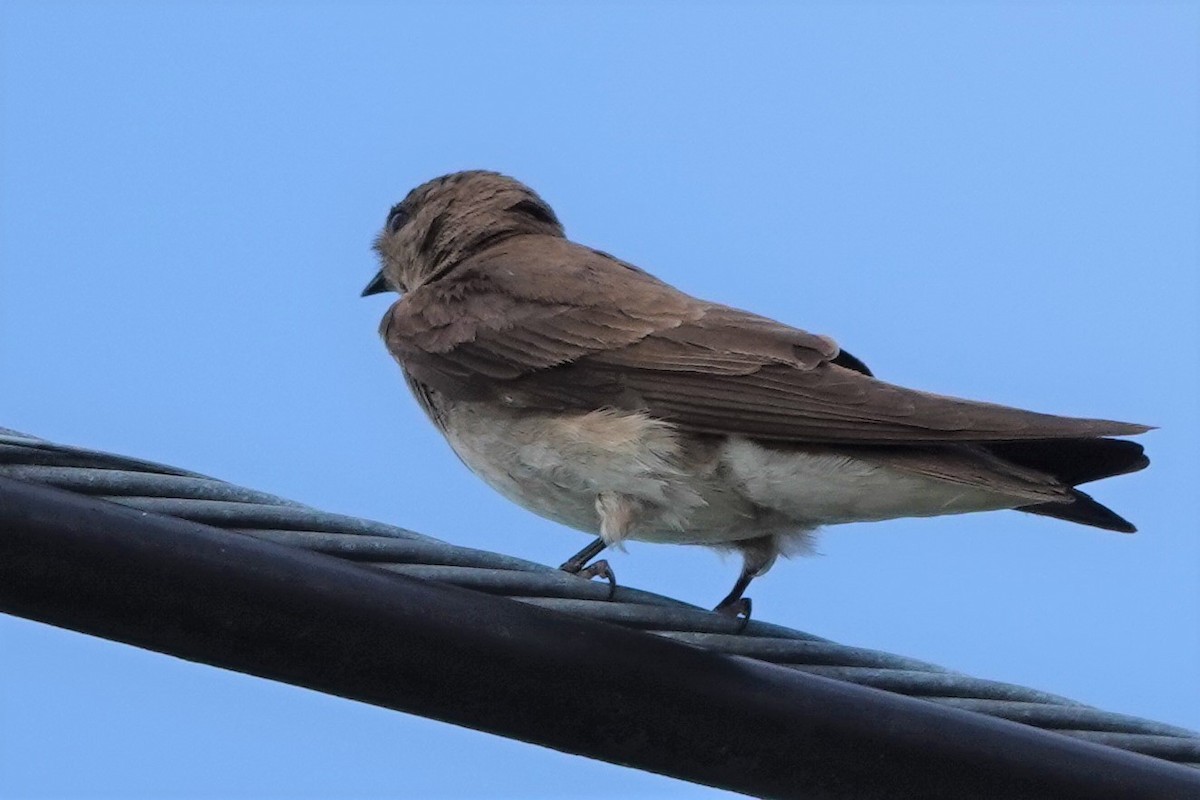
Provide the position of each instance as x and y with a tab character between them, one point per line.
167	490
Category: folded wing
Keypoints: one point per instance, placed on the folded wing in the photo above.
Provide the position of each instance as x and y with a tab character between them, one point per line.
540	322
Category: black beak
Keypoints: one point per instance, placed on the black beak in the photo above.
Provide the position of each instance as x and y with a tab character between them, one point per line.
376	286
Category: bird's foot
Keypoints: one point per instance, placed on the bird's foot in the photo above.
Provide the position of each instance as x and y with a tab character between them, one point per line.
735	608
573	565
597	569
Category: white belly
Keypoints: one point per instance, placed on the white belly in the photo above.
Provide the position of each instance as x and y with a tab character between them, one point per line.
826	488
686	489
556	465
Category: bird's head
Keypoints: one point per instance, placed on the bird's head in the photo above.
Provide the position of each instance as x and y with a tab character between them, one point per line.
448	219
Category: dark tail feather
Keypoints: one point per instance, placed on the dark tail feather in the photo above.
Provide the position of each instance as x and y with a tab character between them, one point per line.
1074	461
1085	511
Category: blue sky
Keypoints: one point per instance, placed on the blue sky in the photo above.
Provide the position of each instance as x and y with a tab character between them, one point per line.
994	201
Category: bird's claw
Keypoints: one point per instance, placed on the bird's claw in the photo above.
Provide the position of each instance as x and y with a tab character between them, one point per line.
737	608
597	569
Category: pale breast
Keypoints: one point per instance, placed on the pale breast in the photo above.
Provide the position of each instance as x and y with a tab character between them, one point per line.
557	464
684	488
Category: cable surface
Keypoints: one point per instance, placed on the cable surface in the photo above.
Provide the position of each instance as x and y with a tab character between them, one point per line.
186	495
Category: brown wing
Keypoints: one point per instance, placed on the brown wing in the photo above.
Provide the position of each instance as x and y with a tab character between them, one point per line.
534	303
543	323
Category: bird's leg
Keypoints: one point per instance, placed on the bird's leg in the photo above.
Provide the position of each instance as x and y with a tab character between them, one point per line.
734	605
578	565
757	557
577	562
616	514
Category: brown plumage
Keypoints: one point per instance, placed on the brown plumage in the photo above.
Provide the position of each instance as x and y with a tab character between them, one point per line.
504	325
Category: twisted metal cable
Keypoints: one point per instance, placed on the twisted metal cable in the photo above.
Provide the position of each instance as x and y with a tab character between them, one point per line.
166	490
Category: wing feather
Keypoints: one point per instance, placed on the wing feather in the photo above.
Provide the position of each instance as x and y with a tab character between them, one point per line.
551	324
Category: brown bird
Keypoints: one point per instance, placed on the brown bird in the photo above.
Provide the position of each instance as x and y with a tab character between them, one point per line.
590	392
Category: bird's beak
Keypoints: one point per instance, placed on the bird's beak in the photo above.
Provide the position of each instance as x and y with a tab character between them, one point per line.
377	285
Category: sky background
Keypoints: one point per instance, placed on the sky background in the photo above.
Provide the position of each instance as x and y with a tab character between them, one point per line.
994	201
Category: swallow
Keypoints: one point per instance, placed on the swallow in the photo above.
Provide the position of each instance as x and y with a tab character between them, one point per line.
588	391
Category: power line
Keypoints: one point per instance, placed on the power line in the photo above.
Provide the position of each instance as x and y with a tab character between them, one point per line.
65	568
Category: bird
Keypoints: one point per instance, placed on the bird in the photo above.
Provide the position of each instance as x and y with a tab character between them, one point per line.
592	393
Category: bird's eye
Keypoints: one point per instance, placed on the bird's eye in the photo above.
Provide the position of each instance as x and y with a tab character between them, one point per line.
396	219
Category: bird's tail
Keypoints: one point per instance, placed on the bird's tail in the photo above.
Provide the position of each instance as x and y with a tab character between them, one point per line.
1076	461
